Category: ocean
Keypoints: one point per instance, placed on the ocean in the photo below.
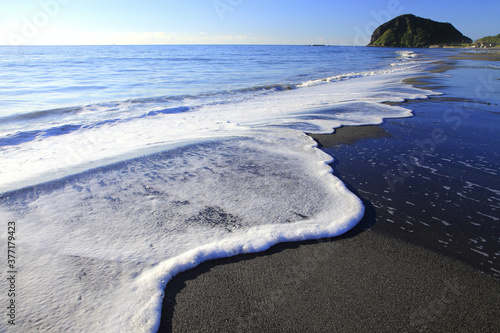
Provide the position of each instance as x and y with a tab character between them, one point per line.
122	166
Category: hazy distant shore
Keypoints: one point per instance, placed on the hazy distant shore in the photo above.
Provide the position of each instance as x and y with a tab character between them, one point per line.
492	54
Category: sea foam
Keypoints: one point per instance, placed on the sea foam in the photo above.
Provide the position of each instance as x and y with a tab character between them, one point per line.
108	214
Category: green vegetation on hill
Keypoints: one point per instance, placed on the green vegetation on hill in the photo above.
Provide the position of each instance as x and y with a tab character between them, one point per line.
413	31
490	39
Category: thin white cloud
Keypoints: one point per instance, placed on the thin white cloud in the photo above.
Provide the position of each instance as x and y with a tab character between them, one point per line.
56	36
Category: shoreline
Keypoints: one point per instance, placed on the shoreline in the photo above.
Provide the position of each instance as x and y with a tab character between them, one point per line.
359	281
391	272
491	54
297	286
423	157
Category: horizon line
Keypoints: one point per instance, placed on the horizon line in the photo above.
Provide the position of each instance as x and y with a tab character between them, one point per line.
187	44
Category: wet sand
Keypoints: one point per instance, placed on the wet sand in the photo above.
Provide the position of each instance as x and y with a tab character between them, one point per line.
362	282
481	54
425	258
349	135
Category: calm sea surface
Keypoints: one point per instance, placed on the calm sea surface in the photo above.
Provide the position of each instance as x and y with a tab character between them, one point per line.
43	78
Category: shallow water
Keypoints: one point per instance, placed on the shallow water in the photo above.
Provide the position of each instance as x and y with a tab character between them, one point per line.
115	190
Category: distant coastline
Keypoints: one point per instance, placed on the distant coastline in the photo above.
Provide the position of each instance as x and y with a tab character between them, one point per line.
492	54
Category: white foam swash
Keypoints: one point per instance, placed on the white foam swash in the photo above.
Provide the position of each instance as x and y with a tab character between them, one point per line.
101	231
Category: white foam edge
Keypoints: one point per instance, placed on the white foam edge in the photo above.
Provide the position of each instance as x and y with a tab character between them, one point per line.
257	239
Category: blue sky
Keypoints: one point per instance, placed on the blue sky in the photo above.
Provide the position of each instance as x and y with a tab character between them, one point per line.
36	22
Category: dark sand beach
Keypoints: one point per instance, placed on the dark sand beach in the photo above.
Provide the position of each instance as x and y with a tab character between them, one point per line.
425	258
481	54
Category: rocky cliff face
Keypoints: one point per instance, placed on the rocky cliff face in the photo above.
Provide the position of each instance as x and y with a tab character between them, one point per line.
413	31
